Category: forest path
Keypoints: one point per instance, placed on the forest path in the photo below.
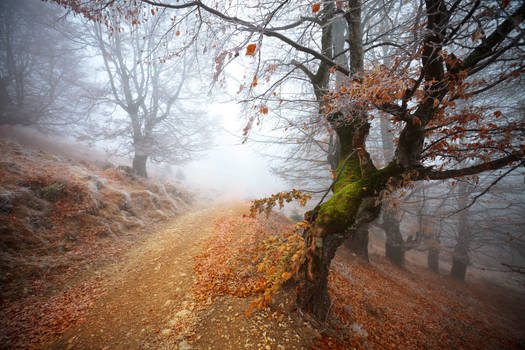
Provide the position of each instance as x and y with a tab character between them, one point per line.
148	304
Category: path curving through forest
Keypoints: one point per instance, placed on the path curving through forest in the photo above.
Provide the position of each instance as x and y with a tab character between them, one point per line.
149	302
149	297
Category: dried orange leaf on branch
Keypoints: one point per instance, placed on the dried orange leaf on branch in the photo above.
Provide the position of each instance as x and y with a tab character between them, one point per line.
250	49
316	7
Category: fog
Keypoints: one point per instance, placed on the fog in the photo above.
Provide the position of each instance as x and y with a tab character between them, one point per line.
232	169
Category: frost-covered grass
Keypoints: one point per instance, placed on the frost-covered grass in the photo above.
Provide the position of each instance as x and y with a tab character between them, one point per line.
58	215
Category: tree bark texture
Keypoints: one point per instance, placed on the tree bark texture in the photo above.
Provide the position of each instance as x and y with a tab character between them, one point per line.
355	191
354	203
312	293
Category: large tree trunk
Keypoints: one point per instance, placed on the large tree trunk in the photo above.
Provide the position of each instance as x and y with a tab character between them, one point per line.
139	165
353	204
358	184
358	242
312	293
356	190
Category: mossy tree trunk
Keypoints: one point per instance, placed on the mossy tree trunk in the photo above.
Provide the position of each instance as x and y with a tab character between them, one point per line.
357	187
354	203
356	191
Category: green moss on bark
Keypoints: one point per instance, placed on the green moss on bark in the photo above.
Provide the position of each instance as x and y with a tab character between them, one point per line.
351	173
339	212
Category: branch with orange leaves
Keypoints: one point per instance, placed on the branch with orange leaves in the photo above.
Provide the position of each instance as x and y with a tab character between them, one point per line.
267	204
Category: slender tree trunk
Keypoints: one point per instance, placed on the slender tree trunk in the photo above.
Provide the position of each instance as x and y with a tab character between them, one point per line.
387	139
395	252
459	263
433	259
333	152
395	245
460	260
139	165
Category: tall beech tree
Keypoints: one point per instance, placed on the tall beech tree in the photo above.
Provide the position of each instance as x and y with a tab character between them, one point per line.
150	79
446	52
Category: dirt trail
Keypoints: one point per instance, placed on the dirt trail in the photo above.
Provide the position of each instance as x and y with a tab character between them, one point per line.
149	294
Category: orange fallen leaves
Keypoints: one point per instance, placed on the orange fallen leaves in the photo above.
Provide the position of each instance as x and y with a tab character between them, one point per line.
409	310
391	308
29	322
247	257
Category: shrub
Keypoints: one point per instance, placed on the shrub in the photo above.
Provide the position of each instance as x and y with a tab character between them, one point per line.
52	192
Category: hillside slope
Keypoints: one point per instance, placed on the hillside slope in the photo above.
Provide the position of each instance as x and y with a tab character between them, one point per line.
375	305
57	214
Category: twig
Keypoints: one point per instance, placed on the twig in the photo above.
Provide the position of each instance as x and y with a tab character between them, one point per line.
487	189
328	312
515	268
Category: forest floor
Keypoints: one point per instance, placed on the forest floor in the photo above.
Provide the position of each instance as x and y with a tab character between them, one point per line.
182	288
150	302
